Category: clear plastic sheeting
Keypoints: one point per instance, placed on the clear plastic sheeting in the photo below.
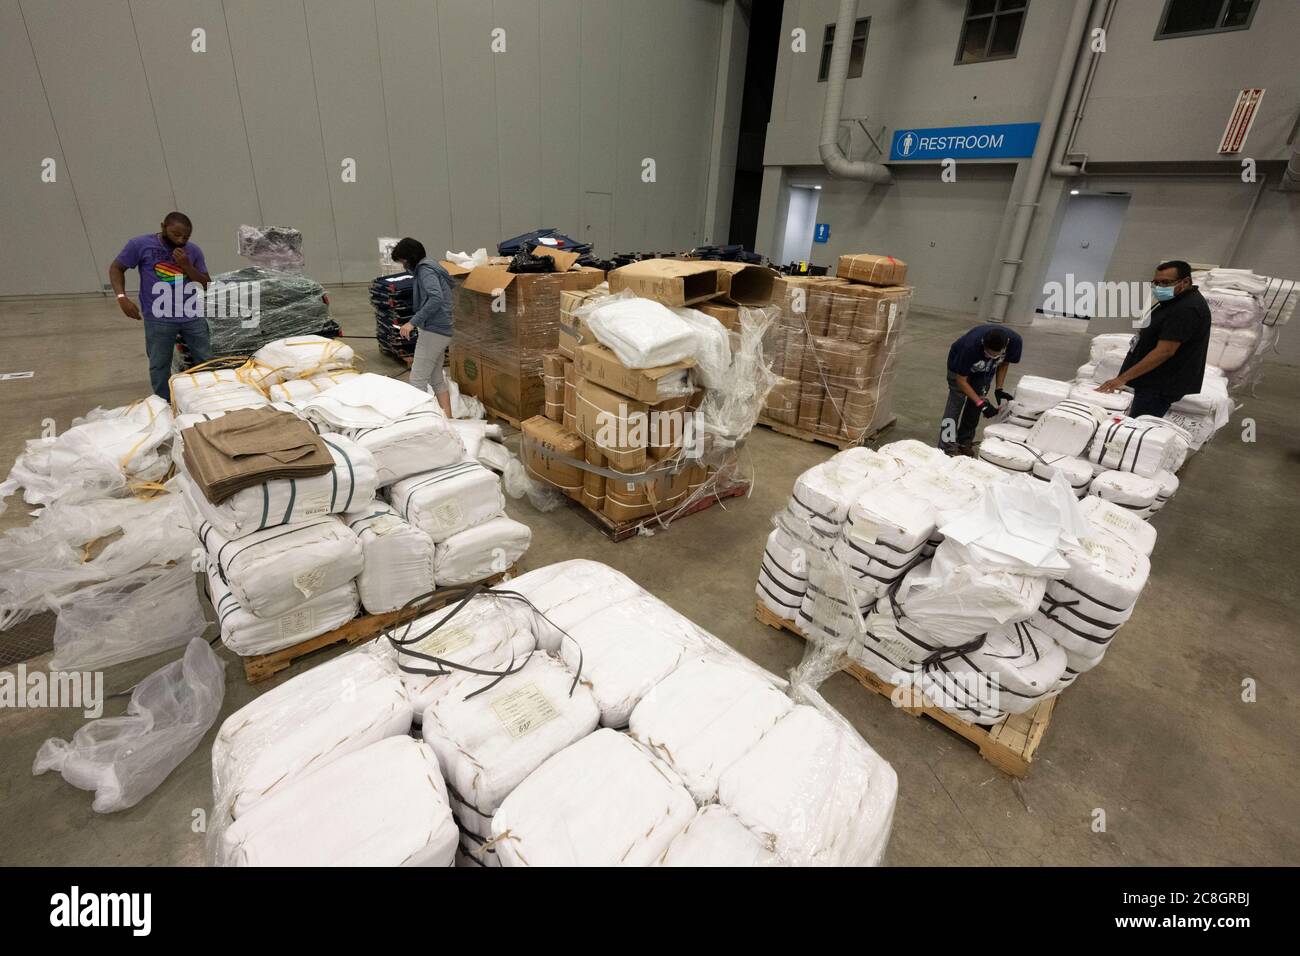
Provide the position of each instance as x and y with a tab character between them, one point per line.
103	454
124	759
71	545
275	247
129	617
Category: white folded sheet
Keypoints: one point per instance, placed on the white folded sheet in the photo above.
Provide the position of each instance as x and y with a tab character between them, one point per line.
397	558
1116	403
246	634
1035	394
1142	447
604	801
489	547
1067	428
1109	342
1008	431
305	723
625	649
446	501
1106	517
364	401
382	805
823	493
1012	671
716	837
350	485
1083	611
1182	441
419	441
704	716
1230	349
814	791
641	332
1126	489
1014	456
214	390
489	742
915	454
275	570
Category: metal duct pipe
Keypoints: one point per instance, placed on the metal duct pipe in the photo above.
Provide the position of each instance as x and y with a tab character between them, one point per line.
1028	203
1080	86
1291	175
833	158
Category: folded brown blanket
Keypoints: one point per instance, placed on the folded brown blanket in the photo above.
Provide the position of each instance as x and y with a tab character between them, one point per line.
249	446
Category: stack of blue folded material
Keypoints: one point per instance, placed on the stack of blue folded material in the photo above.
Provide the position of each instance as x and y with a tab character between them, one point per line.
391	297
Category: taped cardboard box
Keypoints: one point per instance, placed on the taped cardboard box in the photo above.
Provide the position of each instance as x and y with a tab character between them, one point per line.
593	483
465	371
782	402
570	396
547	440
553	385
619	426
728	315
837	363
629	500
872	269
810	405
573	331
832	406
878	307
667	436
514	392
598	364
674	282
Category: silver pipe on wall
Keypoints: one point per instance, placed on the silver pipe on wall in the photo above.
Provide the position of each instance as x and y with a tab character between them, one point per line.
1013	257
833	158
1085	69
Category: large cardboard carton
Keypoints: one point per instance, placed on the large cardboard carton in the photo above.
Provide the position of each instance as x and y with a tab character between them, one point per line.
629	500
782	402
746	284
466	371
879	307
593	483
546	445
553	385
598	364
667	437
810	405
511	391
674	282
573	331
619	426
570	397
872	269
728	315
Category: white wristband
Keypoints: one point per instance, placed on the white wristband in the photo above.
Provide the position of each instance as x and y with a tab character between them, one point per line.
121	295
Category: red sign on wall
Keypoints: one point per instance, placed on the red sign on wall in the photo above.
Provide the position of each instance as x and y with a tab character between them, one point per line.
1240	121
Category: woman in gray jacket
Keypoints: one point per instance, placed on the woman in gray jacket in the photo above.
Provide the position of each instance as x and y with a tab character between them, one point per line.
431	300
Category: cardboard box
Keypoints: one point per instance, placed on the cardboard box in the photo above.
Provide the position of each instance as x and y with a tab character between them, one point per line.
810	405
674	282
595	363
728	315
553	385
593	484
832	405
573	331
545	442
747	284
629	500
668	428
510	391
872	269
619	426
466	371
878	308
782	402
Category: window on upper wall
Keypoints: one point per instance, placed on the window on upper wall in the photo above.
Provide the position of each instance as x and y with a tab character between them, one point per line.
857	52
1183	18
991	30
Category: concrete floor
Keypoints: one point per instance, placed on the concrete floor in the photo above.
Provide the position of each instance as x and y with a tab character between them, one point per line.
1158	736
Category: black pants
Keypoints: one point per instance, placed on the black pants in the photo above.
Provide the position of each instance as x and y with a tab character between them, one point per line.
963	412
1149	402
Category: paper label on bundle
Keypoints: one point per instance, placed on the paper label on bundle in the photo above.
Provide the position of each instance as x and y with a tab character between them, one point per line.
313	507
447	515
308	581
445	640
297	622
1117	521
887	641
384	524
893	311
524	710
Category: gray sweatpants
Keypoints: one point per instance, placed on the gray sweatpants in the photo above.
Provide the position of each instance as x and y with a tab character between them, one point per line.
426	365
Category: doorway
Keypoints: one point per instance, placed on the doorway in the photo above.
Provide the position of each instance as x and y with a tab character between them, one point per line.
1084	245
800	221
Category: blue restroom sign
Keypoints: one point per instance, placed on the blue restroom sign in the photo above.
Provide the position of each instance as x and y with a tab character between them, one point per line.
822	232
1001	141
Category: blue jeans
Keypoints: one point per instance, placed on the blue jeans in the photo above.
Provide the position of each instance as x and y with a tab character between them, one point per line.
160	343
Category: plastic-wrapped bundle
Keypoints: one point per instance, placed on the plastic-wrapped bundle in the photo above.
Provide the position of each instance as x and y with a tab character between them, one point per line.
916	454
397	558
780	586
382	805
298	389
124	759
1009	431
247	634
1142	447
1083	611
1014	456
569	593
96	457
822	494
1109	342
1067	428
1168	482
1077	471
641	332
887	528
487	548
716	837
1180	440
307	722
415	443
891	645
281	501
955	604
1014	669
289	306
130	617
363	401
216	390
273	571
1230	349
487	633
980	473
1233	309
1106	517
487	743
815	789
446	501
1035	395
604	801
275	247
704	716
625	649
824	613
1114	403
712	352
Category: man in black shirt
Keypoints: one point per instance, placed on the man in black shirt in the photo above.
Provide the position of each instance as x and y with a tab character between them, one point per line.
1166	359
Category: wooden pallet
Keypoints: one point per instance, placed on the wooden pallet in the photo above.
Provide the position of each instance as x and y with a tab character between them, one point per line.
361	628
840	442
1008	745
622	530
500	415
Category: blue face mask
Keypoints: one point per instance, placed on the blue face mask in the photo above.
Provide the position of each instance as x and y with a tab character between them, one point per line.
1163	293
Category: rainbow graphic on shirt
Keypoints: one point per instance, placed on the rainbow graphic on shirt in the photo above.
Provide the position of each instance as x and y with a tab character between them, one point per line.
167	272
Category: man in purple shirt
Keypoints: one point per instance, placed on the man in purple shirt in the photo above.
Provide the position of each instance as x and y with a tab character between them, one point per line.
173	275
